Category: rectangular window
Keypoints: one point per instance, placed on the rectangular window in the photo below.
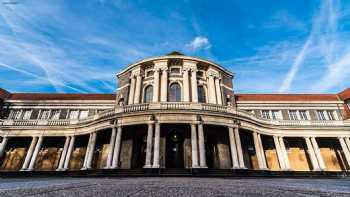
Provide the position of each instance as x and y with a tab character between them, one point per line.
276	115
265	114
330	114
74	114
55	114
45	114
17	114
83	114
320	115
303	115
293	115
27	114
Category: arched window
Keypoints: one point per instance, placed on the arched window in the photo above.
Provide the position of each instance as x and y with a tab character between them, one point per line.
174	93
148	94
201	94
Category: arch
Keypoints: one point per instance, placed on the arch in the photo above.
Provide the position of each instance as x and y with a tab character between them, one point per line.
201	94
174	94
148	94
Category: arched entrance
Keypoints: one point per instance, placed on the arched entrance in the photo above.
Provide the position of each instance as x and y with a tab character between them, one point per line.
174	150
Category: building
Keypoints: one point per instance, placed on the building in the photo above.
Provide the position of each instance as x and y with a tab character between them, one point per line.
175	111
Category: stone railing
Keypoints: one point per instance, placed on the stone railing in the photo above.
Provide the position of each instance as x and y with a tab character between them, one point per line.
174	106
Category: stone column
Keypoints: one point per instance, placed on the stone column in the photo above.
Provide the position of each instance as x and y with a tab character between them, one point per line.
194	146
347	141
202	159
218	91
211	88
312	154
239	148
88	147
63	154
111	148
279	153
233	148
318	154
262	151
284	153
156	146
149	146
69	152
194	86
258	150
164	86
35	153
91	150
116	152
186	85
131	91
156	86
3	146
345	149
29	153
137	96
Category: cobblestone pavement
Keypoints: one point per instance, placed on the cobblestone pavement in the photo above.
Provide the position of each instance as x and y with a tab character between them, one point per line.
173	187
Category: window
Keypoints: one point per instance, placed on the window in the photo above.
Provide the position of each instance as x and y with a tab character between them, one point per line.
83	114
303	115
74	114
149	73
55	114
200	74
174	93
265	114
276	115
320	115
330	114
45	114
293	115
16	114
148	94
27	114
201	94
175	70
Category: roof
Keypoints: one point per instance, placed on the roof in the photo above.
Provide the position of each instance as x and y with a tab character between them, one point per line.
3	94
344	95
58	96
287	97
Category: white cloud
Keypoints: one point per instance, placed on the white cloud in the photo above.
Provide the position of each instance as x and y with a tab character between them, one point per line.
198	43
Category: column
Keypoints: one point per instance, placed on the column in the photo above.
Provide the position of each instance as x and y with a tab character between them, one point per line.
137	96
318	154
312	155
131	91
156	146
156	86
279	153
91	150
63	154
194	146
233	148
69	152
347	141
218	91
35	153
87	152
239	148
164	86
116	152
258	150
202	159
211	88
262	151
149	146
345	150
284	153
186	85
111	148
194	86
29	153
3	146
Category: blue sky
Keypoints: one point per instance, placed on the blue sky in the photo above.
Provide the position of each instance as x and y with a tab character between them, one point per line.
272	46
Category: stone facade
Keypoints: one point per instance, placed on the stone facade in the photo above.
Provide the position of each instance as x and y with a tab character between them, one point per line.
175	111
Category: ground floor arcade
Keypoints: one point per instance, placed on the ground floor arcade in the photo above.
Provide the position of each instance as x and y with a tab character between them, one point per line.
169	145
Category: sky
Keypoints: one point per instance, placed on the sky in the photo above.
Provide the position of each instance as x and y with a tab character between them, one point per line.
65	46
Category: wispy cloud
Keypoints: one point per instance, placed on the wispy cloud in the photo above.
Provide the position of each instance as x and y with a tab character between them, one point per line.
198	43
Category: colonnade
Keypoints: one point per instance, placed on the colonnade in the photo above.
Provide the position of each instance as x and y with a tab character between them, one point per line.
189	83
197	149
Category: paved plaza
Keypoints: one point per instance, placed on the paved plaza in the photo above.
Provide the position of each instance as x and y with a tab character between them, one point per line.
173	187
